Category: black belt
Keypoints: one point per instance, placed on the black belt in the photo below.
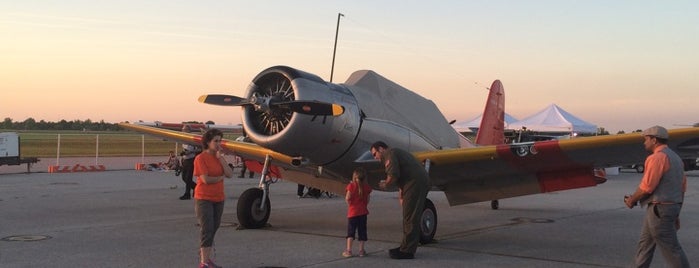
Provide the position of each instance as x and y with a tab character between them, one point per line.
666	203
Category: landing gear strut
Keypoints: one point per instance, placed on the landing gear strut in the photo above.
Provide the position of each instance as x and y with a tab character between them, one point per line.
253	205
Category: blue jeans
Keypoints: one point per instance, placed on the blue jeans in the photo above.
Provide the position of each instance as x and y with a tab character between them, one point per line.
659	230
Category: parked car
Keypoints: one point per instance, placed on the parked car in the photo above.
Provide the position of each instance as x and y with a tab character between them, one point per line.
690	164
638	167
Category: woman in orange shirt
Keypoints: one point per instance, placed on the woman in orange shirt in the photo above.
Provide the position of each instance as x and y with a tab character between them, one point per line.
210	167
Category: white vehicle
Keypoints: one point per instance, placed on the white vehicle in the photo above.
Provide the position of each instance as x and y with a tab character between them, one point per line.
9	150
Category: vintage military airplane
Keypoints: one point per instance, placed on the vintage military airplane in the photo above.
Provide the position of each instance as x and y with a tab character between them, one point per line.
316	133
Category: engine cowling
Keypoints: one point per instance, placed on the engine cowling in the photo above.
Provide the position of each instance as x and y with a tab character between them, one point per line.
319	139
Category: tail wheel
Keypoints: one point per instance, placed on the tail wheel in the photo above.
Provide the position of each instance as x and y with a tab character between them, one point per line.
640	168
689	164
428	222
250	215
494	204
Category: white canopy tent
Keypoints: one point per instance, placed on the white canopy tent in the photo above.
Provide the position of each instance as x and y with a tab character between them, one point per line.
475	123
554	119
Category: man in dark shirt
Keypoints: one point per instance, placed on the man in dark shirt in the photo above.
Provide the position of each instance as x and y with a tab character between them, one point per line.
412	179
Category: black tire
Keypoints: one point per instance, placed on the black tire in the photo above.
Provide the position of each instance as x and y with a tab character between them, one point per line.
315	192
689	164
249	213
428	223
494	204
640	168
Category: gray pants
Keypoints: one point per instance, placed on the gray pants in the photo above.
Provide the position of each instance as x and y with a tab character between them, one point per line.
659	229
209	216
414	196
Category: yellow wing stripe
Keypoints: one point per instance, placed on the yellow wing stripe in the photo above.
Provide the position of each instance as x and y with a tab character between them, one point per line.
621	139
453	156
244	149
248	149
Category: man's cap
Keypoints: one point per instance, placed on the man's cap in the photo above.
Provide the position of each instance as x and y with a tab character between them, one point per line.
656	131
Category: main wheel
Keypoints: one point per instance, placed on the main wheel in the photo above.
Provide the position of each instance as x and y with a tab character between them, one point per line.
428	222
249	213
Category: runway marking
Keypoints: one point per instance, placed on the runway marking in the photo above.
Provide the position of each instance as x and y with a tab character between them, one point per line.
523	257
437	245
64	183
25	238
514	222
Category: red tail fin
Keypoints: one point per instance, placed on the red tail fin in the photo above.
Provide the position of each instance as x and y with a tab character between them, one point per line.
492	129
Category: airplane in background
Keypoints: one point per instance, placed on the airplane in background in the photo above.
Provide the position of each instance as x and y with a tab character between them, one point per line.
192	127
316	133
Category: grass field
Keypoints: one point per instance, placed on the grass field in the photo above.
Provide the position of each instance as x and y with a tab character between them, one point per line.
79	143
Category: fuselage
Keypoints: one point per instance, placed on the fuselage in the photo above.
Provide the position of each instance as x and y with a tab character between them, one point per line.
375	109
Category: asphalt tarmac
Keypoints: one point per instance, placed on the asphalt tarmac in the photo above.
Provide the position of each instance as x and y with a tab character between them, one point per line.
133	218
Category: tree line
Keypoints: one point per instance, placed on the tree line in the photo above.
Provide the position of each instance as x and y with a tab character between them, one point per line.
81	125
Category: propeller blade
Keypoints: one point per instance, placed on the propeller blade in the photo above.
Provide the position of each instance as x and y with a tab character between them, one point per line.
223	100
303	107
313	107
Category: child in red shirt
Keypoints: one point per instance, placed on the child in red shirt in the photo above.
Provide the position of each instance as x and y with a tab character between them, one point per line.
357	198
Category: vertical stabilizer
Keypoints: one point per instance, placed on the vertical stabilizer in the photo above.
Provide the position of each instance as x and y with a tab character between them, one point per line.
492	129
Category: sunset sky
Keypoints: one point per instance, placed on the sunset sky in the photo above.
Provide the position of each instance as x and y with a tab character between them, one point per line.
622	65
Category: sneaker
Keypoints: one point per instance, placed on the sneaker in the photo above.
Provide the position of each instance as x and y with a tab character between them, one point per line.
185	197
362	253
347	254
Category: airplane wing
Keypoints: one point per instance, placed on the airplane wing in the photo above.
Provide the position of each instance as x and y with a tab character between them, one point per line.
287	167
244	149
486	173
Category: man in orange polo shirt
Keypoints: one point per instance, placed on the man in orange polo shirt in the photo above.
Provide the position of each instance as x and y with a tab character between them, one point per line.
662	191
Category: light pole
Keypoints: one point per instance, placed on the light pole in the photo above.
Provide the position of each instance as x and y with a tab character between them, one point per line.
337	30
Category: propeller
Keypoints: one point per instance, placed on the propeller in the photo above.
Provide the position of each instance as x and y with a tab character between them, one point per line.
264	103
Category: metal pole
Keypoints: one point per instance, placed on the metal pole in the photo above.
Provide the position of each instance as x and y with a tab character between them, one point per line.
143	149
97	148
58	150
337	31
